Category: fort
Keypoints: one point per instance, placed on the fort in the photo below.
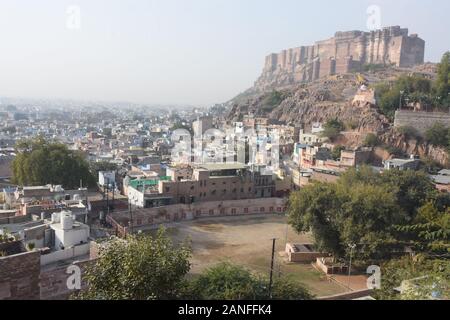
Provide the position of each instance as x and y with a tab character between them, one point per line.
345	52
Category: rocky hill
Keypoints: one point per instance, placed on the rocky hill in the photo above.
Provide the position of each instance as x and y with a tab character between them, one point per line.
322	99
332	97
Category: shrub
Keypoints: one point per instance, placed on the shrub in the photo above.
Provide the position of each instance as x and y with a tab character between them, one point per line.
332	129
437	135
409	132
371	140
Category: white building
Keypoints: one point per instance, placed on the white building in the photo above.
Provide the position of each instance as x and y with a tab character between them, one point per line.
106	177
68	232
311	138
402	164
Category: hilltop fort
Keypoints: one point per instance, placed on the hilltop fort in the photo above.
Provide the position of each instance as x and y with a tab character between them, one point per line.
345	52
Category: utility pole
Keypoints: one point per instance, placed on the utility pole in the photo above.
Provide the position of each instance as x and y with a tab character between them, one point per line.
271	268
131	216
352	246
107	196
113	188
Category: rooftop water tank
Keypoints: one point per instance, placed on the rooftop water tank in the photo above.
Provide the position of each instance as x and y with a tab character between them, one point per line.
66	220
55	217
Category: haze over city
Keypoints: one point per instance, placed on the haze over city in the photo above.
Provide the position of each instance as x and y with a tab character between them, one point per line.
176	52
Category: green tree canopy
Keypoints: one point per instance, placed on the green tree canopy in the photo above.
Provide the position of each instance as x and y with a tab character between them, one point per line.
442	83
226	281
430	278
138	268
40	162
96	167
371	140
336	153
415	88
363	207
437	135
332	129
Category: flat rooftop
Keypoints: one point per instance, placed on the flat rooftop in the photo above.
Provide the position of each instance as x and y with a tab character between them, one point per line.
222	166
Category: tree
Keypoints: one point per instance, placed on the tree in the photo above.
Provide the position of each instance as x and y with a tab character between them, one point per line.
138	268
430	229
413	87
336	153
96	167
411	188
441	86
365	208
371	140
272	100
332	129
437	135
287	289
226	281
316	208
40	162
430	278
409	132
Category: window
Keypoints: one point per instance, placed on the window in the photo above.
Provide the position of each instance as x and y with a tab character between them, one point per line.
261	209
222	211
245	210
211	212
198	213
233	211
271	209
167	189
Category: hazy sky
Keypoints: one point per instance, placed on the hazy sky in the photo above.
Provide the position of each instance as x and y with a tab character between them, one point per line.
177	51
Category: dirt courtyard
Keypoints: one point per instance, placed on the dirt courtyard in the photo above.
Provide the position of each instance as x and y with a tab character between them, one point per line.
246	240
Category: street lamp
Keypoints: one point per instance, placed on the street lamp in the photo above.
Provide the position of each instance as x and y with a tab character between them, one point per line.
351	246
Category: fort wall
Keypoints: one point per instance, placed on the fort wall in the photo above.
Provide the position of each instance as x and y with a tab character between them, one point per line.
420	120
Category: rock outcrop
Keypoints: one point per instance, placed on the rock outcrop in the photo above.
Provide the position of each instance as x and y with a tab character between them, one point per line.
415	146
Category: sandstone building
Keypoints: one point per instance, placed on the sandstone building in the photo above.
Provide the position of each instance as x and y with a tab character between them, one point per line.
345	52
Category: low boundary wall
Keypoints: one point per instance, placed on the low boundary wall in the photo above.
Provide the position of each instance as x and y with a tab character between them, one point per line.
124	222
